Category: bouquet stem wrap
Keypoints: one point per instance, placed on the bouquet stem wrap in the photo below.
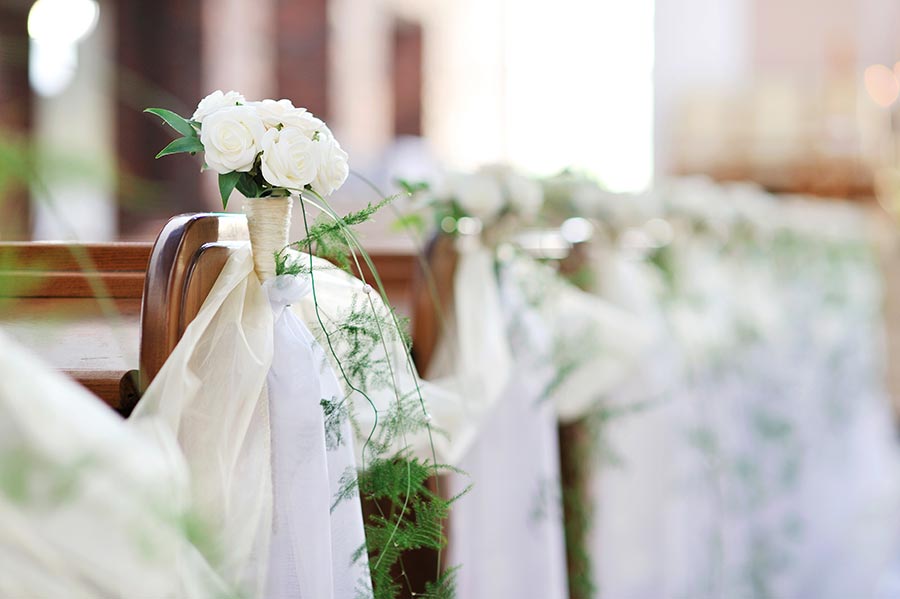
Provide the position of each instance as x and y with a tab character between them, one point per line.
269	222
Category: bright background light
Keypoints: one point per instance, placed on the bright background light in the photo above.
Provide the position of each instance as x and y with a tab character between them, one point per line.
62	21
544	86
55	28
579	89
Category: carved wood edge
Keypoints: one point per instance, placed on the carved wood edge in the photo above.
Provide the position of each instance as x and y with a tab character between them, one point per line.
182	269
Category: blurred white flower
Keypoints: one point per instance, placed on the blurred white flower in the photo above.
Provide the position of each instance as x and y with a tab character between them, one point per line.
478	195
290	158
333	166
525	195
231	138
214	102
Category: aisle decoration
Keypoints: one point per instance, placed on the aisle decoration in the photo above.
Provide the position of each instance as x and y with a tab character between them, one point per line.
306	357
527	348
767	394
89	507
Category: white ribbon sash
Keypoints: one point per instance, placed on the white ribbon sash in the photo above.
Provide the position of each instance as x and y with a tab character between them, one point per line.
311	546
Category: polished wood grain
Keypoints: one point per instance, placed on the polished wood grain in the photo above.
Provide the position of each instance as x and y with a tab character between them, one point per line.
76	257
124	285
63	270
77	306
205	269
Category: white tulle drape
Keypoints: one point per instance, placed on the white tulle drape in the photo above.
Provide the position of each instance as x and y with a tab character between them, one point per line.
244	393
314	535
211	394
754	457
89	507
526	348
760	459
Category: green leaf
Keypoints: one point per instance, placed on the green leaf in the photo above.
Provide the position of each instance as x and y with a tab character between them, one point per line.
413	221
226	185
249	187
182	144
179	123
412	187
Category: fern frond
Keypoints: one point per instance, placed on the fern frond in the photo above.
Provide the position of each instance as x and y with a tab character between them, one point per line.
327	238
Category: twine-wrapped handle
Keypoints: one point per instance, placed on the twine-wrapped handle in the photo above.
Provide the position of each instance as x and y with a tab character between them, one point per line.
269	222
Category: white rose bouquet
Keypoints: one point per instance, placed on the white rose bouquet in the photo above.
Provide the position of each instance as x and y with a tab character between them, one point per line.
268	151
263	149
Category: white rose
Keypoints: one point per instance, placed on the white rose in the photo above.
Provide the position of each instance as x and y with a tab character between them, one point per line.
525	195
272	112
282	112
333	166
478	195
231	139
214	102
290	158
305	121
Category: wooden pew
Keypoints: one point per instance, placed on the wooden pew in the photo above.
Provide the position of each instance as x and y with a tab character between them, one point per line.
77	306
187	258
143	295
103	312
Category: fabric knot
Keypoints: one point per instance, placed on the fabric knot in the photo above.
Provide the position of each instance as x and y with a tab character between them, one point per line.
285	290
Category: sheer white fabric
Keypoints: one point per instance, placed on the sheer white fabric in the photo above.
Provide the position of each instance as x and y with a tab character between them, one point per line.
105	506
244	392
551	346
88	506
472	361
211	394
314	535
762	462
506	533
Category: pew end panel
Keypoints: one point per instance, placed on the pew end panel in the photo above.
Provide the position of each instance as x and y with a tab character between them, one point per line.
186	260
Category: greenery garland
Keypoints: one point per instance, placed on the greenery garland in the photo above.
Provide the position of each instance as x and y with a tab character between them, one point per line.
407	514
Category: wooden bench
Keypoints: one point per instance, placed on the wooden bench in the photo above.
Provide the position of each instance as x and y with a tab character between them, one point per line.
103	312
76	305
